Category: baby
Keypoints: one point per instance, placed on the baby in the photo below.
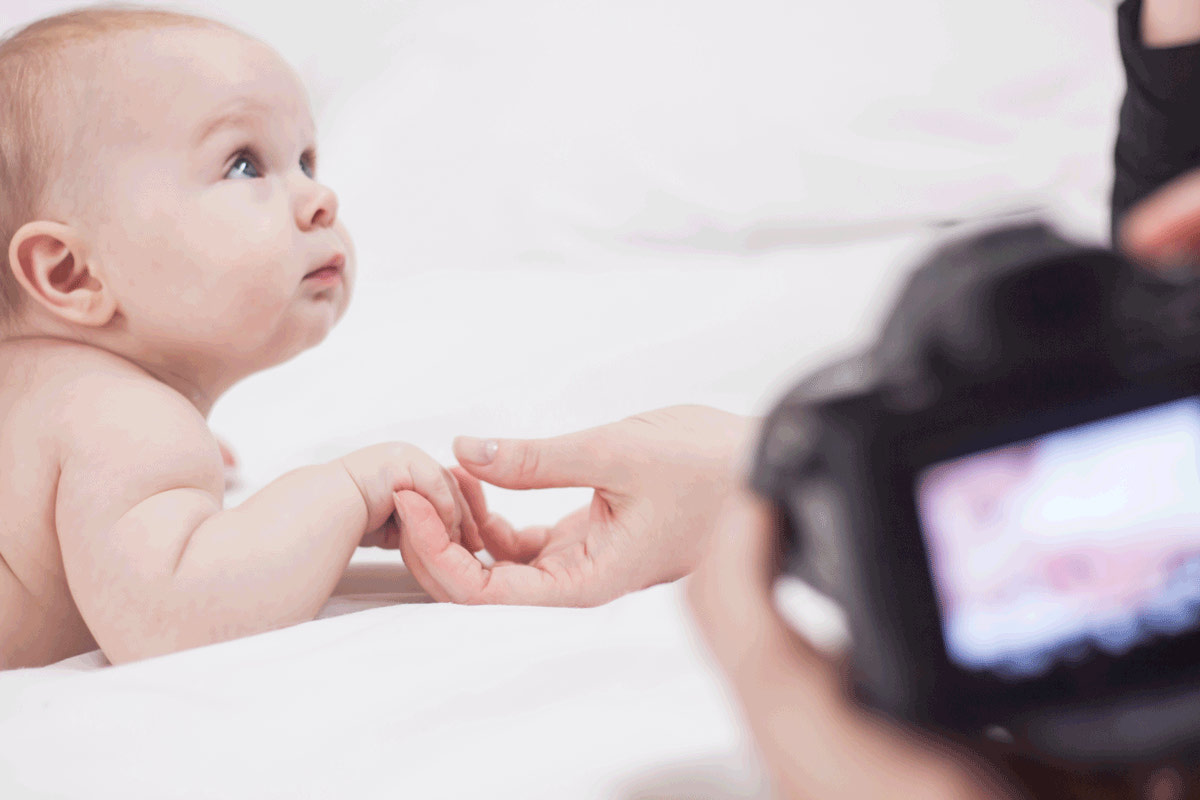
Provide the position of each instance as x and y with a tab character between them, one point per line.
166	235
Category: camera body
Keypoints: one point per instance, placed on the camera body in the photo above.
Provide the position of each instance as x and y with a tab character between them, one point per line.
1003	496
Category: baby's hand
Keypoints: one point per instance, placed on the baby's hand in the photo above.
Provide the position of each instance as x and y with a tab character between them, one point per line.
382	470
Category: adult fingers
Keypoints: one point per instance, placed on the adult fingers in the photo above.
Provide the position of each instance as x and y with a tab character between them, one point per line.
529	585
506	543
731	592
472	491
440	489
736	595
586	458
494	533
419	520
1165	227
743	555
467	531
444	568
792	697
448	572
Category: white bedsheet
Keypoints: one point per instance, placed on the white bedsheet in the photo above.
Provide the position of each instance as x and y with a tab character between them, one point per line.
430	701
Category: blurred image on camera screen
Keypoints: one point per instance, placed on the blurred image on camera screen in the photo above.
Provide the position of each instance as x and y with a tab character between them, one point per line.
1082	540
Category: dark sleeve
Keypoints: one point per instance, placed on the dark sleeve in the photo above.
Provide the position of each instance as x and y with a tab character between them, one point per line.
1158	137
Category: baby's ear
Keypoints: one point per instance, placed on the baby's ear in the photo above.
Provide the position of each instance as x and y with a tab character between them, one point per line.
49	262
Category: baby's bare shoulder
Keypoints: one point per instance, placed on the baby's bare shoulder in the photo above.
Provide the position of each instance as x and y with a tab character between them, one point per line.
54	374
44	366
95	404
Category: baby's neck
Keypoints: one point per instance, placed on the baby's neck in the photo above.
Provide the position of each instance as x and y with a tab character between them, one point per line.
201	390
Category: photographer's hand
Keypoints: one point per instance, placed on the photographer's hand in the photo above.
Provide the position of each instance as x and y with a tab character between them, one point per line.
1170	23
814	741
1157	139
1165	227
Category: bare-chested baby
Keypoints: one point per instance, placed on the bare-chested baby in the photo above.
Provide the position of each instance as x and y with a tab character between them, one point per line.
166	234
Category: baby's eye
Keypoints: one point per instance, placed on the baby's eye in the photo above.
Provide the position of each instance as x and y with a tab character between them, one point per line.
243	167
308	166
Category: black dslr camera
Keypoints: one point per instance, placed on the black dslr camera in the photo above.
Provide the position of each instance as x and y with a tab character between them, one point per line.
1003	496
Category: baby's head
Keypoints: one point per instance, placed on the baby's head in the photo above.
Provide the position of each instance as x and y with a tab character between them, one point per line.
159	197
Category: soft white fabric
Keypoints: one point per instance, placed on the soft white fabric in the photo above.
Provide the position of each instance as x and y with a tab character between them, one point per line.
568	211
429	701
545	132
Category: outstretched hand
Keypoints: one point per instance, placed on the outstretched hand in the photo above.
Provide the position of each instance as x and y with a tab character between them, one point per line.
659	479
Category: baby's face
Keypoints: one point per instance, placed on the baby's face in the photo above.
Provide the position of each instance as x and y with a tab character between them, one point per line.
205	211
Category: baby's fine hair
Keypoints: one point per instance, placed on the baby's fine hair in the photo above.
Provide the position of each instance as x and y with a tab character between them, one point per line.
36	80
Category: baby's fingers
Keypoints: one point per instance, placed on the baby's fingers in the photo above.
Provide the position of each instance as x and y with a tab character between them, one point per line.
439	488
386	537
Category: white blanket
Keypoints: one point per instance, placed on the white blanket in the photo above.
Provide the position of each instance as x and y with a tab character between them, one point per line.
431	701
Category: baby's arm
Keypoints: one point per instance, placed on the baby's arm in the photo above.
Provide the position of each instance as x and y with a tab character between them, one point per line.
153	562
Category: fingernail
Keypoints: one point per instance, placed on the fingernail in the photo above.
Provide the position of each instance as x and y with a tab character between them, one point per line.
475	451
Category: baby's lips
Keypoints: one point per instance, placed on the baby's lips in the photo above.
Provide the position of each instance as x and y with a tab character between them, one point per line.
336	262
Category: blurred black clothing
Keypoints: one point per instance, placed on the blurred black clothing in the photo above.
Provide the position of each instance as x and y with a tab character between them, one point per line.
1159	134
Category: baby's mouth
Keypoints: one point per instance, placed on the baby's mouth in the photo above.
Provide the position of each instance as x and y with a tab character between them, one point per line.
330	272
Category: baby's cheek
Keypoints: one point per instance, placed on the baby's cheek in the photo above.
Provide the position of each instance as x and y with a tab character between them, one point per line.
260	301
249	304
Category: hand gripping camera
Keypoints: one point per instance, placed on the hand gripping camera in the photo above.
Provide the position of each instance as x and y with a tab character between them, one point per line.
1003	496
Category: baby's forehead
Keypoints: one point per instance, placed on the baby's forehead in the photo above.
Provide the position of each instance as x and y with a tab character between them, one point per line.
169	78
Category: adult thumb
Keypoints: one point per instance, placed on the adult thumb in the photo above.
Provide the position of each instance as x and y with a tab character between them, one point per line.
585	458
1166	225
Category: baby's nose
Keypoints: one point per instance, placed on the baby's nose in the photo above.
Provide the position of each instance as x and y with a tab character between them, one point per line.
318	208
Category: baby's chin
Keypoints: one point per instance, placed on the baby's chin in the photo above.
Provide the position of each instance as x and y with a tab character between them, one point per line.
316	329
302	327
252	356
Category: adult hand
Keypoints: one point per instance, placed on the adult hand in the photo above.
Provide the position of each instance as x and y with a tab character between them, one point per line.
1170	23
815	741
659	480
1165	227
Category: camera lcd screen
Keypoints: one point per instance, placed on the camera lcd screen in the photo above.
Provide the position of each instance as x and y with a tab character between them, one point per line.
1083	540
